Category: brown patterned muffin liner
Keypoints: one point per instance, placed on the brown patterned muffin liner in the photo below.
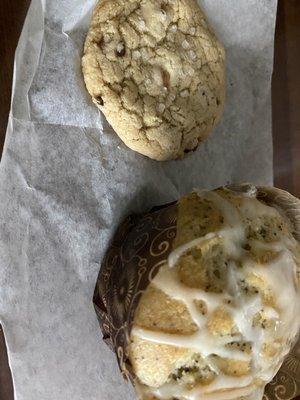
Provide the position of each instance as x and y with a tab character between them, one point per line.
139	247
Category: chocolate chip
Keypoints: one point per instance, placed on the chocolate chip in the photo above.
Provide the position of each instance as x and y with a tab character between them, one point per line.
263	232
165	78
247	247
99	100
191	150
163	10
217	274
188	151
120	51
100	42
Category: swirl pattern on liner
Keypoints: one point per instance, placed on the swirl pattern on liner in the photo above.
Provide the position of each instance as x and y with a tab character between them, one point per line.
232	236
139	248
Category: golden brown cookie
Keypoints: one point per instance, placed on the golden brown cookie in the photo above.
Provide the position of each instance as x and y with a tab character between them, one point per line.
157	72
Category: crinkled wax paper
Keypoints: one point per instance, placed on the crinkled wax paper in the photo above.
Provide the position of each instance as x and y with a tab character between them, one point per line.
66	181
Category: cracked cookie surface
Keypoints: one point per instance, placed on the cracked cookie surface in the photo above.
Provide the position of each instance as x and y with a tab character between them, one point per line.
157	72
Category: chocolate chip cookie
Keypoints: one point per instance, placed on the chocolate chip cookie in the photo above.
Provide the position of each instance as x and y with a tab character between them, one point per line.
157	72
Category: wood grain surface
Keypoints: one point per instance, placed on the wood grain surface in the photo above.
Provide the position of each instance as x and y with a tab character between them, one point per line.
286	107
286	97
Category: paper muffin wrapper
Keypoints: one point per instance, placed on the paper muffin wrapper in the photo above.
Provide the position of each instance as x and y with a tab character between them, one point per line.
139	247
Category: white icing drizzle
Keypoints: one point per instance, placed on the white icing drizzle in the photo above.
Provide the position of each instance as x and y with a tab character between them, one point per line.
238	387
177	253
168	282
279	274
233	232
202	342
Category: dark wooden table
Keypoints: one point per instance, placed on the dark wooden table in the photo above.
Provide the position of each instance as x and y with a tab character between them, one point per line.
286	107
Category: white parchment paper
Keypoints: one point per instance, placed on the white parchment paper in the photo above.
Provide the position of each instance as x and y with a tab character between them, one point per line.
66	181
